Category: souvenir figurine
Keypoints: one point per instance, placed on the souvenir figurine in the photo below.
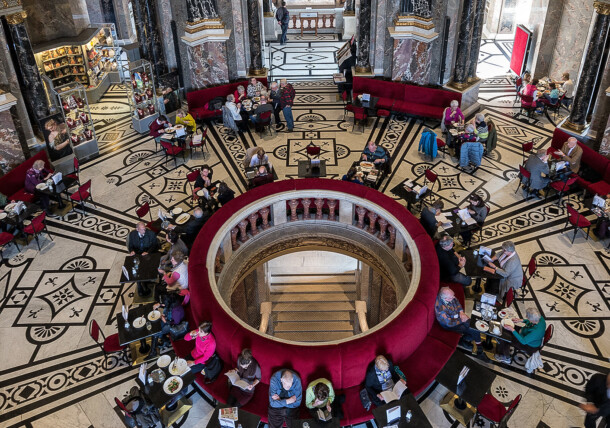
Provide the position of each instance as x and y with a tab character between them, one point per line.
80	103
137	97
151	109
149	93
71	123
84	118
88	133
74	139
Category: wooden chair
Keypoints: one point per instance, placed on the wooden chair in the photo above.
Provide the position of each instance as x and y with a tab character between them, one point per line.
313	151
526	148
37	226
441	146
5	239
265	122
347	107
200	144
430	176
561	187
360	115
191	177
495	412
81	195
524	173
173	151
144	209
108	345
75	175
577	220
518	86
527	275
527	104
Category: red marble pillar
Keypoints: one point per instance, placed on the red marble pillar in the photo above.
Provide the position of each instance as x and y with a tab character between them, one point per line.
392	241
243	235
253	218
234	243
372	222
319	204
293	204
264	212
332	204
383	225
306	204
361	212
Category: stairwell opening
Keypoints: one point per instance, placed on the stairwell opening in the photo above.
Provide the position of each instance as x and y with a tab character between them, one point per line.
313	296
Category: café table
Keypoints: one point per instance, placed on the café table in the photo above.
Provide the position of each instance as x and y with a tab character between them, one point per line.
305	170
475	268
504	335
245	419
130	335
469	392
457	225
56	190
146	272
410	196
369	179
370	106
316	423
407	402
16	220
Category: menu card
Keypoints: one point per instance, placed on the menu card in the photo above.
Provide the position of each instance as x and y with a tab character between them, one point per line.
463	374
125	273
142	375
125	312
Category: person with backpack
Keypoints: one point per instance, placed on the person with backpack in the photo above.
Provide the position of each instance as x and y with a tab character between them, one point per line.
283	17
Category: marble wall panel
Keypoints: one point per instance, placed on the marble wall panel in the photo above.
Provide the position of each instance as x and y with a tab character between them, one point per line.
94	10
80	15
232	16
604	148
167	38
11	153
207	66
411	61
602	106
123	20
572	37
49	20
180	16
544	16
439	10
380	28
391	11
452	12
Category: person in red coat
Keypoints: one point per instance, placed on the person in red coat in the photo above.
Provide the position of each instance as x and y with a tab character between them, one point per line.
157	127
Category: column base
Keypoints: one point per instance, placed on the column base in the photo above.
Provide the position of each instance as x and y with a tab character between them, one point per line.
362	71
257	72
349	26
574	126
268	14
470	96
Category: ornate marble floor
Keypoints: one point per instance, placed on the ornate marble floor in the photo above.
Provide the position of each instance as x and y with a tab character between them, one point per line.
52	374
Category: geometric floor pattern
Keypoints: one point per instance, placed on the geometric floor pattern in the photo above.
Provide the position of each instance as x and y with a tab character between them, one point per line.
52	374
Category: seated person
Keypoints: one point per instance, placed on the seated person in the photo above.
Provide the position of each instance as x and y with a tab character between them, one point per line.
184	118
567	87
58	140
571	152
537	165
240	94
478	211
597	393
34	176
142	241
204	355
234	110
173	314
262	177
204	181
157	127
451	316
353	176
260	158
428	217
468	136
177	244
255	86
224	194
453	115
451	262
191	228
263	107
249	371
375	154
3	202
509	268
380	376
178	278
170	100
530	90
481	129
285	394
527	340
552	98
320	395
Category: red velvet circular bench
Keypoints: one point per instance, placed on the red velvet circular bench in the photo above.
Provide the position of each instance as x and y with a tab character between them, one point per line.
412	339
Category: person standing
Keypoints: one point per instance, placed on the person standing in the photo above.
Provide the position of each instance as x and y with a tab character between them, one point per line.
275	95
286	102
597	392
285	394
283	17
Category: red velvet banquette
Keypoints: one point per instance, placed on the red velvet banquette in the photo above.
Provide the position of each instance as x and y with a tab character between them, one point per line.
12	183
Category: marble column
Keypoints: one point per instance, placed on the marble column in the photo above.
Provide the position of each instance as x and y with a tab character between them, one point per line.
591	67
11	151
349	8
147	29
32	87
255	40
475	44
108	13
205	36
363	64
267	9
460	73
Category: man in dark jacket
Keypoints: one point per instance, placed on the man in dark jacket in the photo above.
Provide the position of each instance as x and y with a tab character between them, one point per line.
597	392
192	227
536	165
428	217
142	241
450	262
283	18
380	376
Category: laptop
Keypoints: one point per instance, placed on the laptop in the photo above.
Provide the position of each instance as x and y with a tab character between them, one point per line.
393	415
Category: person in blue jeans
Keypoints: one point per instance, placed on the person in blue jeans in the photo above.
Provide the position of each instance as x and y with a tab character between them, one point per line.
283	17
286	102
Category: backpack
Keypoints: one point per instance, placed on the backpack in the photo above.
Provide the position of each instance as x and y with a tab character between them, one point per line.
144	413
216	103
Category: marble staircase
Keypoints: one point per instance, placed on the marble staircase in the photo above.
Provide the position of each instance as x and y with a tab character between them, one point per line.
313	307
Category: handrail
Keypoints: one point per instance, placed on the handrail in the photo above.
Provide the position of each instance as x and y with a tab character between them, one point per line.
361	311
266	314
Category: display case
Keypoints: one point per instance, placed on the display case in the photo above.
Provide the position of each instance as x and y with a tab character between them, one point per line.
72	99
91	59
142	95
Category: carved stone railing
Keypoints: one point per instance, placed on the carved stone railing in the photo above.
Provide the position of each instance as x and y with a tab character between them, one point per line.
8	7
323	21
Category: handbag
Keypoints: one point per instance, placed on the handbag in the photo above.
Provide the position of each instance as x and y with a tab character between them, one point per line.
364	398
178	331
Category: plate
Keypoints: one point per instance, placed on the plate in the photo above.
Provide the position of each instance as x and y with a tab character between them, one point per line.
139	322
367	164
508	322
179	367
183	218
503	313
3	215
10	207
256	99
482	325
177	211
27	222
179	126
154	315
172	385
164	361
41	186
453	131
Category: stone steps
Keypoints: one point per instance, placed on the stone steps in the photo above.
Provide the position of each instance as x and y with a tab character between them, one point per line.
312	316
308	336
348	287
313	297
317	326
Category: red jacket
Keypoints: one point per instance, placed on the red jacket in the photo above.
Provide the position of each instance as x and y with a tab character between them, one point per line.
156	129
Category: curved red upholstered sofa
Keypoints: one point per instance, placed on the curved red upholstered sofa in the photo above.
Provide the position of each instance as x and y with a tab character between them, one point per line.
413	339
